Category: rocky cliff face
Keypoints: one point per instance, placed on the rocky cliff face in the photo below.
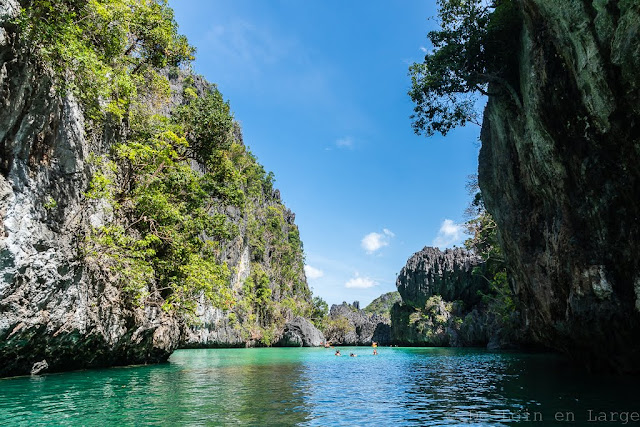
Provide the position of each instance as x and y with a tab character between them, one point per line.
300	332
256	249
559	175
251	256
56	303
446	273
441	304
52	305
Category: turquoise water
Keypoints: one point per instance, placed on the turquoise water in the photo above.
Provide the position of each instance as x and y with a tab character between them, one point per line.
296	386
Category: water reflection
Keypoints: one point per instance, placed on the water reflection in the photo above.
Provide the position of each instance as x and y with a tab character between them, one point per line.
313	387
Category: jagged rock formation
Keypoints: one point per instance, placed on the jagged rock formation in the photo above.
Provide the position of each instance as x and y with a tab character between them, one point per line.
348	325
442	305
446	273
559	175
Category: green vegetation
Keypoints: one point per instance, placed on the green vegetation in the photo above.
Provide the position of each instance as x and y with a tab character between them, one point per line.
433	319
166	238
105	52
484	242
180	190
320	313
475	46
382	305
337	328
50	204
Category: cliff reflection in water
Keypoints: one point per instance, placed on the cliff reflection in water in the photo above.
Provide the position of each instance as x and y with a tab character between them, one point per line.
311	386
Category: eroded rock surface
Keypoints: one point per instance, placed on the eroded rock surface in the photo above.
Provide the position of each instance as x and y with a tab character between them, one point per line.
560	176
300	332
354	326
53	306
447	273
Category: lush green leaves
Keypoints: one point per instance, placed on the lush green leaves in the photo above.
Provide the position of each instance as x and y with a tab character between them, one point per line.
208	123
175	185
104	51
484	242
320	313
474	47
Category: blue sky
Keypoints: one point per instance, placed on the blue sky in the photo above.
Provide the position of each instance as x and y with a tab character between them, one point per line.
320	88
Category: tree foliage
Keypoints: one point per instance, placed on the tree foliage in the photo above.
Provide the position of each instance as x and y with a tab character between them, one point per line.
483	241
208	122
319	313
104	51
475	46
174	185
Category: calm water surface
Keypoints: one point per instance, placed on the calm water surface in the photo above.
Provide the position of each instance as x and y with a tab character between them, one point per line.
296	386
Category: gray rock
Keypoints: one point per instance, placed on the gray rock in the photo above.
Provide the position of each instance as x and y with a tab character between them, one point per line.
39	367
301	333
560	176
54	303
447	273
58	302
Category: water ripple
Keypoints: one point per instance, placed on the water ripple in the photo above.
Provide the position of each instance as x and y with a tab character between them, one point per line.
311	387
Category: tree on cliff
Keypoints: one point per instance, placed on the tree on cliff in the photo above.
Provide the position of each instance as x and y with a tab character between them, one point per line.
474	47
483	241
105	52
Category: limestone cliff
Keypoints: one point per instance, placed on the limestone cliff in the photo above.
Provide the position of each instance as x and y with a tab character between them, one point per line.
446	273
558	172
441	301
61	302
52	305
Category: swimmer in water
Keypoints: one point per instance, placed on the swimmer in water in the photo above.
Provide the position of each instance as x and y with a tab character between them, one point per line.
338	353
353	355
375	352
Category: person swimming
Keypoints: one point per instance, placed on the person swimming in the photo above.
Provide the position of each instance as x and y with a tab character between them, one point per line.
338	353
375	352
353	355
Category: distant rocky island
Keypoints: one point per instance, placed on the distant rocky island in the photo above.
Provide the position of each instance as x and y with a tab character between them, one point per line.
439	302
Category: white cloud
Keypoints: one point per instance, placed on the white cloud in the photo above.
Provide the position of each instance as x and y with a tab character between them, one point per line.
312	272
346	142
360	282
448	234
374	241
426	50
